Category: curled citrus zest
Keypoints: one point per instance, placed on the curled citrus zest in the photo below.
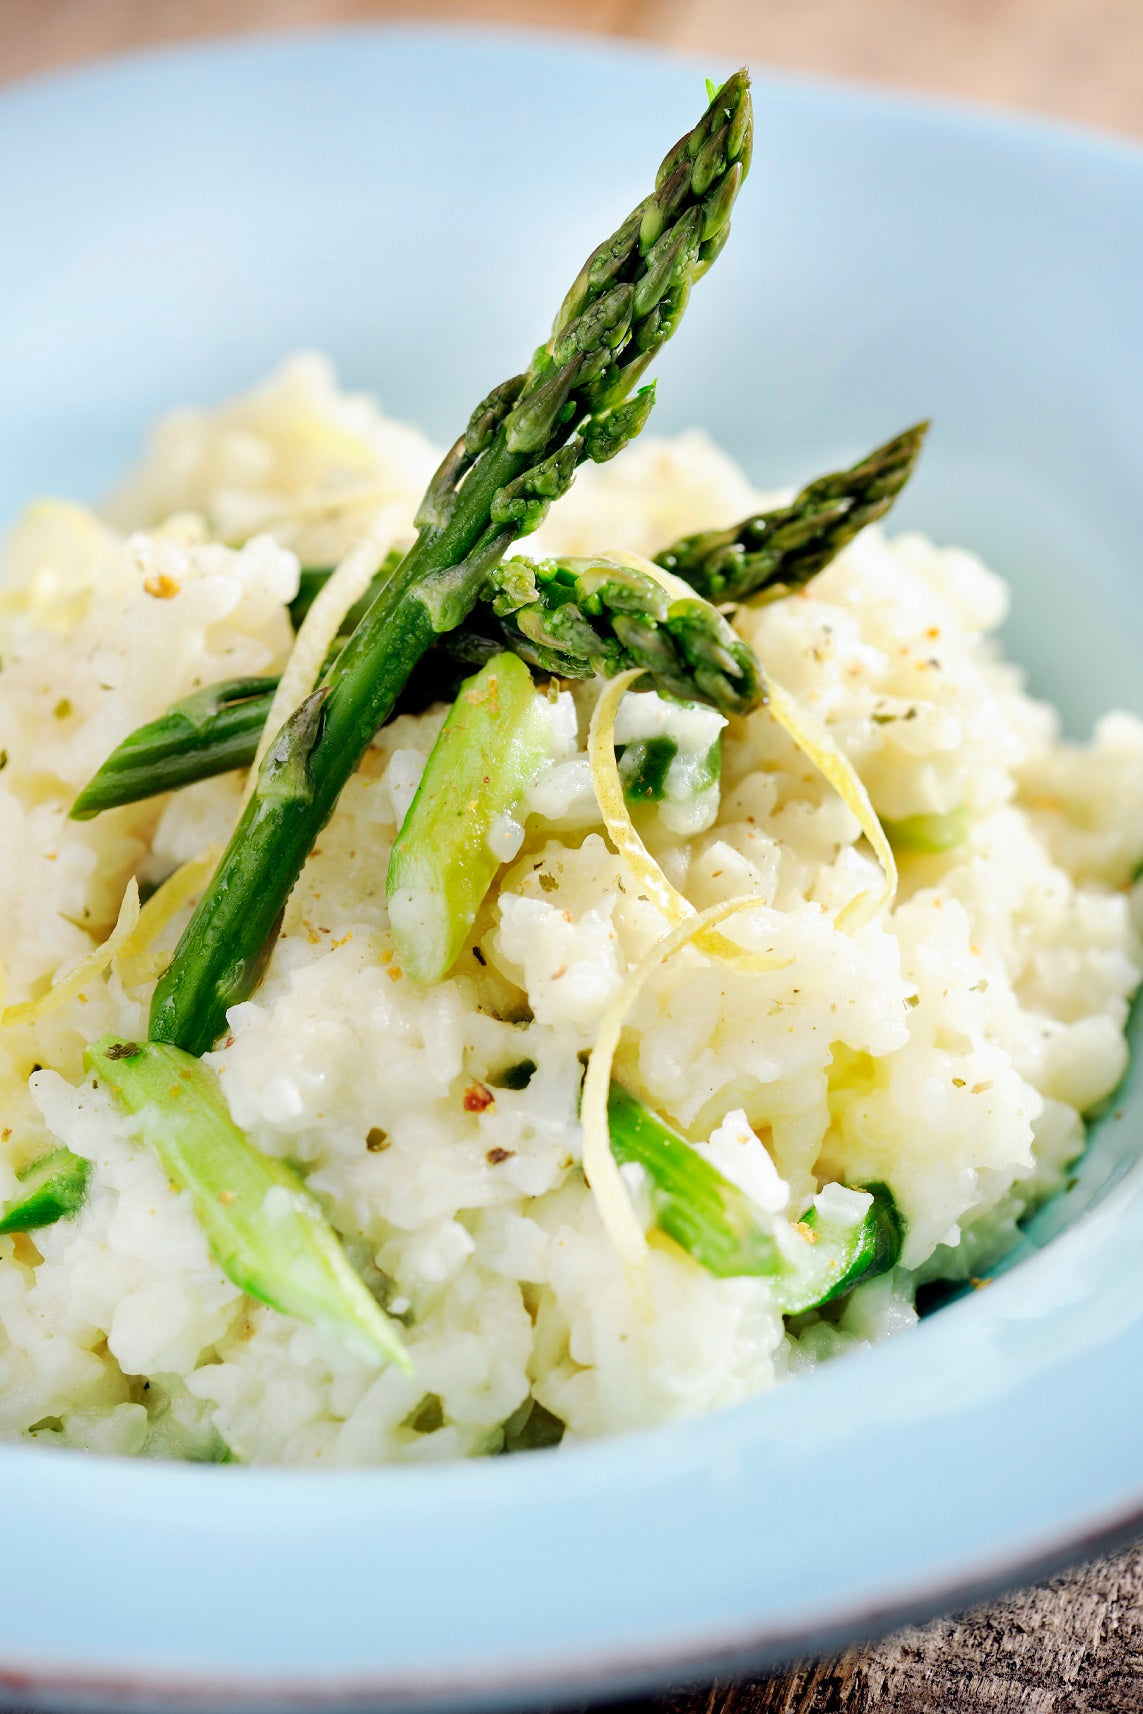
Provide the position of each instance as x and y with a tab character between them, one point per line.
92	965
620	1221
621	831
322	624
815	742
134	962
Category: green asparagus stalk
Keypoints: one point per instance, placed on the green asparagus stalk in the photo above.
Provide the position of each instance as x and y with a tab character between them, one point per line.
265	1229
716	1223
519	453
775	552
54	1188
491	746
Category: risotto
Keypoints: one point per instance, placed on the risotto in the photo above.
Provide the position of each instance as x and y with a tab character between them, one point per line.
945	1047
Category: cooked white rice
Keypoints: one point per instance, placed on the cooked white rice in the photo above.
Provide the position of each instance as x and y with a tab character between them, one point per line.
949	1048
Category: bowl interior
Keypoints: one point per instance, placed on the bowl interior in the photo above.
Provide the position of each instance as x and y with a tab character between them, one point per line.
415	204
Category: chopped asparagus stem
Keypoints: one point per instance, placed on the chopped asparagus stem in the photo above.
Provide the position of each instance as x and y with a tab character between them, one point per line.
926	834
54	1188
264	1227
775	552
444	859
645	763
693	1203
518	454
716	1223
839	1256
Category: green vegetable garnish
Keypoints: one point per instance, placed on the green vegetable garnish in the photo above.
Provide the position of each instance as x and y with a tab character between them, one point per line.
569	618
716	1223
774	552
445	857
265	1229
54	1188
927	834
645	763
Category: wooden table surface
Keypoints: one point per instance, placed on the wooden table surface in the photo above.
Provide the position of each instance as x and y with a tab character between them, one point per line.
1073	1644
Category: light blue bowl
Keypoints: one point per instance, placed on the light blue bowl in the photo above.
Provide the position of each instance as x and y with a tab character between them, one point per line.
415	203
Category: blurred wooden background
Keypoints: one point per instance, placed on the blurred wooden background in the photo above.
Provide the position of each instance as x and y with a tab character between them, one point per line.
1073	1645
1080	59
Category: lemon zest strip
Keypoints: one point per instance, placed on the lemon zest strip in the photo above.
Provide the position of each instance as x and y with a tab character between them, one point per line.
177	890
91	965
815	742
321	625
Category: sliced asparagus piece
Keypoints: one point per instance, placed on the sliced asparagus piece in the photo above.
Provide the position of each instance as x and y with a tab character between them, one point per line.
264	1228
519	453
842	1254
775	552
445	857
716	1223
929	833
54	1188
692	1202
645	763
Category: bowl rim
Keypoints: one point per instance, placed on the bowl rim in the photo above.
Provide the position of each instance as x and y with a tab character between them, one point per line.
620	1670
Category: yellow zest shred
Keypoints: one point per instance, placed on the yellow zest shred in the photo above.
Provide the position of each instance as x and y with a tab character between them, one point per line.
620	1221
322	624
135	962
621	831
92	965
815	742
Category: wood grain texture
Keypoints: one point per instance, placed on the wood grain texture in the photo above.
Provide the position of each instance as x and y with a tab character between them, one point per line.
1073	1644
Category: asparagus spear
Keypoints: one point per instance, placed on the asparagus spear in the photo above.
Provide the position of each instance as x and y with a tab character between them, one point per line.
775	552
54	1188
444	861
571	618
204	734
713	1221
519	452
577	617
263	1226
